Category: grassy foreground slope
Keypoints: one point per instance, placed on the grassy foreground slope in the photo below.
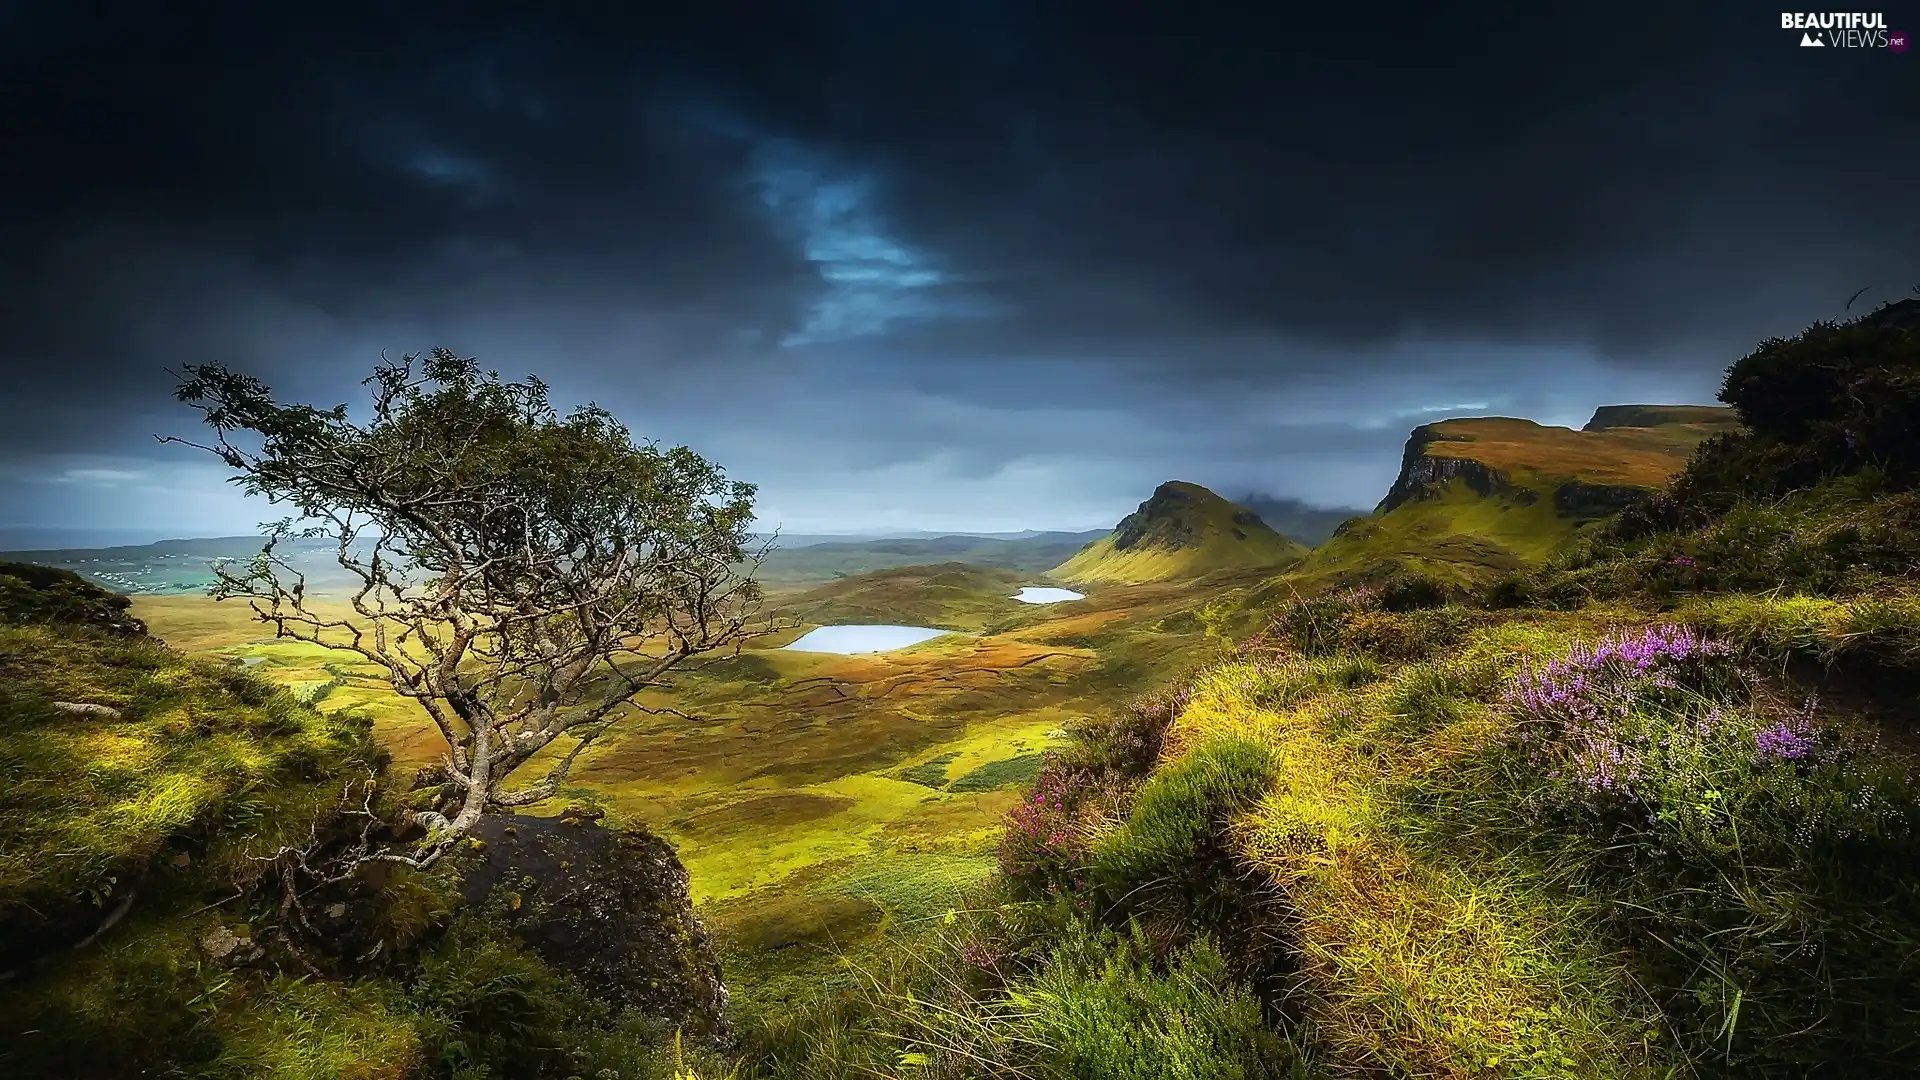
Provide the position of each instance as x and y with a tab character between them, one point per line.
137	815
1484	496
1183	531
144	797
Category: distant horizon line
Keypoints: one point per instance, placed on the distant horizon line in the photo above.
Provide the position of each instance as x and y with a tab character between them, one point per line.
29	539
110	537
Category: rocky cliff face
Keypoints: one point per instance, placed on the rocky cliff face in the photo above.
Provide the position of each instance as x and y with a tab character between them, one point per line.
1422	474
611	907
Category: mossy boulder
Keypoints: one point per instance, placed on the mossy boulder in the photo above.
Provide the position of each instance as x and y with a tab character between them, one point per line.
609	906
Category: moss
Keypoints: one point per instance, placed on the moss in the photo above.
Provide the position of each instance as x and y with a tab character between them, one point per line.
201	758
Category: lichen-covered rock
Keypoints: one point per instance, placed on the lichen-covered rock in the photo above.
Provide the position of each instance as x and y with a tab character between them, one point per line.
611	906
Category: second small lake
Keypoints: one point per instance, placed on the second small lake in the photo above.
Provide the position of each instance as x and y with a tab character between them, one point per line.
1038	594
863	638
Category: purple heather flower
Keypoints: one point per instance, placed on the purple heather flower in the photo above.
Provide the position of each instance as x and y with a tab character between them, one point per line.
1790	739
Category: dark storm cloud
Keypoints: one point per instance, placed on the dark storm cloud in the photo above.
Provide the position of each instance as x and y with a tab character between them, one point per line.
1031	257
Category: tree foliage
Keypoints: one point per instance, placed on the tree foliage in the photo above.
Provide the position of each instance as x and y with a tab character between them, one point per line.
1834	400
520	573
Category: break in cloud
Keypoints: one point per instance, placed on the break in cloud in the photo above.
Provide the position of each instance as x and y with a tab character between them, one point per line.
978	266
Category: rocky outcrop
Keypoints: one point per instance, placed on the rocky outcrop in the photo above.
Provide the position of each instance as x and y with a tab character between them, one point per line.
1423	474
609	906
1167	520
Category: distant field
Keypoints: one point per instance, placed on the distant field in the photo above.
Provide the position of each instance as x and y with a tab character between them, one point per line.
174	567
816	563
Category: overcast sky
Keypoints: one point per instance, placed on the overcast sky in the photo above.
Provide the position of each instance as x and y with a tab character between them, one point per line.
924	265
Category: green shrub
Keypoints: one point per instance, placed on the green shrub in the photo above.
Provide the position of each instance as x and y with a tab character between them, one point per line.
1833	400
1100	1010
1410	590
1171	855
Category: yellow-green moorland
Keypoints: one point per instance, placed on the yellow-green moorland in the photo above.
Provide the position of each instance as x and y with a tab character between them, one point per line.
818	800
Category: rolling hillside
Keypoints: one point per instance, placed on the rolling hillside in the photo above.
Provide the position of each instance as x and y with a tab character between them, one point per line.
1477	497
951	596
1183	531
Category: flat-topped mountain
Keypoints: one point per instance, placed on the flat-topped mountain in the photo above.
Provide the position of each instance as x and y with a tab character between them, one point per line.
1479	496
1715	418
1184	530
1622	450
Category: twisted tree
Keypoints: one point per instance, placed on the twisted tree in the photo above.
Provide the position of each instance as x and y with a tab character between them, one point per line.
521	574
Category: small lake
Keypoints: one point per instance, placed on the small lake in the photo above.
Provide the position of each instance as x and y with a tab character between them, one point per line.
1036	594
863	638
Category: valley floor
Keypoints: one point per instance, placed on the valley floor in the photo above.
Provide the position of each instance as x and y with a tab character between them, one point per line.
816	799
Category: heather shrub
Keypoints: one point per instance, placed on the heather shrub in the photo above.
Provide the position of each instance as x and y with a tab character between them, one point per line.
1123	744
1043	846
1400	620
1314	625
1757	850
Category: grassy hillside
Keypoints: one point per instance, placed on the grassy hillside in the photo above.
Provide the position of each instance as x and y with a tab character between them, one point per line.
122	827
1480	497
1649	810
1183	531
951	596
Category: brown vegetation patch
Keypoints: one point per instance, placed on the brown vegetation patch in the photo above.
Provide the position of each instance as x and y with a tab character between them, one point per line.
783	808
780	918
